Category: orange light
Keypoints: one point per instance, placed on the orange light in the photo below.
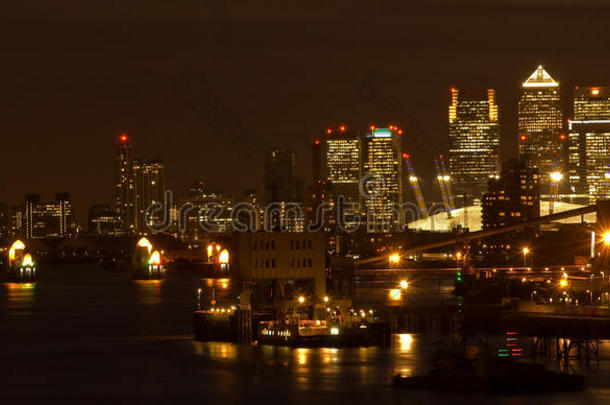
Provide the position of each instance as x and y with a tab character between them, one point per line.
317	142
406	156
342	128
523	137
328	131
123	138
372	127
595	92
224	257
400	132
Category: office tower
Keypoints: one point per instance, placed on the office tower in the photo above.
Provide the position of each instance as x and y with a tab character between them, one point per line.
283	192
512	197
589	145
591	103
104	221
48	220
384	180
150	195
125	192
342	172
541	125
474	139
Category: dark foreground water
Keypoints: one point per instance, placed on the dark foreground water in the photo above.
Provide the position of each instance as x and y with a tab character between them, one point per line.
83	335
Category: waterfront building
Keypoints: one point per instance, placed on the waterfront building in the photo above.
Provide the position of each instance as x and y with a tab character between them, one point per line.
474	139
541	125
384	180
282	265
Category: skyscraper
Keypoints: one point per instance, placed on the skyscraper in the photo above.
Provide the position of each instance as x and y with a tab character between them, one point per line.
589	145
342	168
541	125
150	192
384	180
124	191
283	192
48	220
474	139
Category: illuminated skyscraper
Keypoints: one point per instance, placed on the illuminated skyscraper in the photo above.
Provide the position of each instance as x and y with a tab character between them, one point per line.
125	191
150	192
474	138
541	125
589	145
342	155
384	180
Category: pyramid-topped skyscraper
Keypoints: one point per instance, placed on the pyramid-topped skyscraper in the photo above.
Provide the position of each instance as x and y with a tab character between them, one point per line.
541	134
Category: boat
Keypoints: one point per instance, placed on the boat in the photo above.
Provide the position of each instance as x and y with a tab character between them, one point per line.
488	374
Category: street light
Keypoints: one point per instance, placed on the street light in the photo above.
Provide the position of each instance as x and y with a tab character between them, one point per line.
301	299
326	298
556	176
404	284
525	251
606	238
394	259
395	294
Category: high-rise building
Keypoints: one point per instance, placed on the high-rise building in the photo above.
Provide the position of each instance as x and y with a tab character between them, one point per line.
150	194
342	172
5	220
541	125
589	145
283	192
474	139
48	220
105	221
512	197
591	103
589	160
384	180
125	188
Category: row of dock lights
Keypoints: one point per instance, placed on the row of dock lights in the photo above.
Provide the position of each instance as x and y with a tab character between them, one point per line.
223	311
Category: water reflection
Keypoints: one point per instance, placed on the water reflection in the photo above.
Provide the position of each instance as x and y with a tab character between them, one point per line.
405	340
149	291
20	297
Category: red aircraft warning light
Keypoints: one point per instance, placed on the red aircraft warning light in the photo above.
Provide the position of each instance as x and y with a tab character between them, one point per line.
123	138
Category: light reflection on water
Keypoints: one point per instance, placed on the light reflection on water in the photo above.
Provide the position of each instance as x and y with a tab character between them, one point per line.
20	297
149	291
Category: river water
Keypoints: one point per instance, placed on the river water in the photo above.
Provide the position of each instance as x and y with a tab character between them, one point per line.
85	335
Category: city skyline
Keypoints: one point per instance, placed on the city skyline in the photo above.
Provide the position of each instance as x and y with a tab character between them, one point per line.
64	115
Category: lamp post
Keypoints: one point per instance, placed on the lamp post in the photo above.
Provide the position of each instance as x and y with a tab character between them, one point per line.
525	251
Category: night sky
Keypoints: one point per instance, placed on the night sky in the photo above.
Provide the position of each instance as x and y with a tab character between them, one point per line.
209	85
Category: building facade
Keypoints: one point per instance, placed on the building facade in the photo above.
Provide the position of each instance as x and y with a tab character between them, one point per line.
342	173
383	183
150	195
53	219
125	188
512	197
284	209
474	140
540	116
104	221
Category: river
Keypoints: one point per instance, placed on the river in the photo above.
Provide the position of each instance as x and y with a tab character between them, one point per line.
81	334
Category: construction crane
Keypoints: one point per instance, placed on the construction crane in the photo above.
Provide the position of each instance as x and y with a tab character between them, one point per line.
447	180
443	185
419	198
